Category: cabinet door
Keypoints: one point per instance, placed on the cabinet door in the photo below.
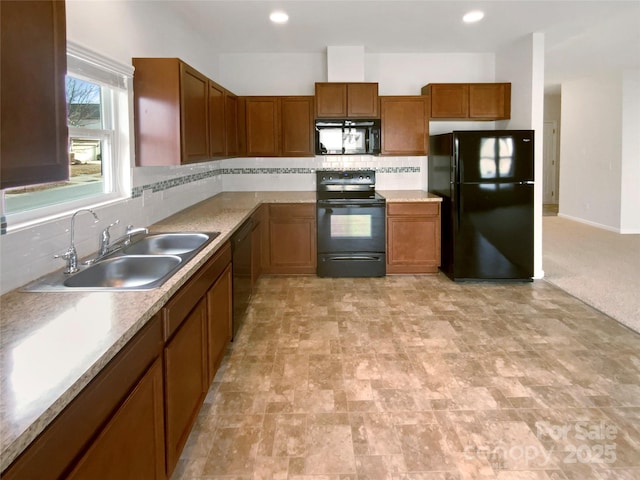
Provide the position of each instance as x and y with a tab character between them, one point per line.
413	237
231	117
297	126
362	100
292	239
331	100
217	124
489	101
131	446
194	112
405	125
185	368
262	123
449	100
256	249
33	132
219	314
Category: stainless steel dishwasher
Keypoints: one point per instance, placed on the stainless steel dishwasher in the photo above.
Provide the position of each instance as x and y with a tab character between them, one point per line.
241	261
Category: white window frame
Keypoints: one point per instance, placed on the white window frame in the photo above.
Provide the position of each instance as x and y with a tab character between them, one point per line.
118	78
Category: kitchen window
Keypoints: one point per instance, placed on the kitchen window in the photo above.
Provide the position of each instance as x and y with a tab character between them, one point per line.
98	93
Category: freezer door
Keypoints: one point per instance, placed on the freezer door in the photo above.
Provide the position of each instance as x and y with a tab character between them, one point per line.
494	156
494	232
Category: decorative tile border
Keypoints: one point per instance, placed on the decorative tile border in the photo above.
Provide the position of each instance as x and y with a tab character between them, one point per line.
3	225
185	180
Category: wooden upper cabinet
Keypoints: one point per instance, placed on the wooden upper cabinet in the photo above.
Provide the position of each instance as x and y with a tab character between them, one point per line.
217	123
194	110
297	126
231	121
470	101
262	124
448	100
346	100
33	133
278	126
490	101
405	125
362	100
181	116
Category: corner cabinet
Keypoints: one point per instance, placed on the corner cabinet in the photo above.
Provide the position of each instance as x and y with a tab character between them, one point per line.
405	125
278	126
413	237
469	101
346	100
180	114
291	239
33	133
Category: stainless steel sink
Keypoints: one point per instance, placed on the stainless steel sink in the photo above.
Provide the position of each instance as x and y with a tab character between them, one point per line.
127	271
167	244
146	263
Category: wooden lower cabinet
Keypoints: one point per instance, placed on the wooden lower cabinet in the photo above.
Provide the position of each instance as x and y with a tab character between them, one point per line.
131	446
292	239
185	370
413	237
219	314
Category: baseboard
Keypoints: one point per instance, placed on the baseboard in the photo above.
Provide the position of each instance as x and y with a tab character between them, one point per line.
590	223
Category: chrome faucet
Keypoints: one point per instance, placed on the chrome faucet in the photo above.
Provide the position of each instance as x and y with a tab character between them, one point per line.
105	239
107	247
71	256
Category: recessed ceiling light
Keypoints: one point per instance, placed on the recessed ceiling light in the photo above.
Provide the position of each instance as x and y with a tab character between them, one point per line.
279	17
474	16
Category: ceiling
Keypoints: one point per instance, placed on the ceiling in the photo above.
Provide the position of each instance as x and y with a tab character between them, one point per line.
581	37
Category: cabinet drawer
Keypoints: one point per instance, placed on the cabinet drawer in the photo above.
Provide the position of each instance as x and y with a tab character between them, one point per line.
177	309
292	210
414	209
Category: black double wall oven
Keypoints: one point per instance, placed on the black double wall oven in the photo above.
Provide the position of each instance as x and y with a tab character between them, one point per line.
351	224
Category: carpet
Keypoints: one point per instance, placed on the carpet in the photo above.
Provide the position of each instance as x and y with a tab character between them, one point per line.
599	267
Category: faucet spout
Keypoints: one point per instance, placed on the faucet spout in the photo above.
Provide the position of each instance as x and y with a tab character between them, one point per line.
71	256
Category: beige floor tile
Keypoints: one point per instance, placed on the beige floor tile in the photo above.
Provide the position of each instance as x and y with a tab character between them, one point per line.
419	378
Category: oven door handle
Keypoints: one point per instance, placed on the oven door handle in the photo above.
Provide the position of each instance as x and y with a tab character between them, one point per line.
355	257
330	206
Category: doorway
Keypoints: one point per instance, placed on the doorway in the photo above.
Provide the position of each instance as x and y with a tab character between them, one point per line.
550	168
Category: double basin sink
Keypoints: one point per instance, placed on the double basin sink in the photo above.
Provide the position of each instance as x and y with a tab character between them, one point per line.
146	263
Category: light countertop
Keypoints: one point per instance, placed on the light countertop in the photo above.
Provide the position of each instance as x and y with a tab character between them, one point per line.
53	344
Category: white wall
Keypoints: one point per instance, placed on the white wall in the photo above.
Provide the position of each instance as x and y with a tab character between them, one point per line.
630	168
522	64
591	150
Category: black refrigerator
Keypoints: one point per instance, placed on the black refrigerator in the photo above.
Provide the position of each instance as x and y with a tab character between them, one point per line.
485	179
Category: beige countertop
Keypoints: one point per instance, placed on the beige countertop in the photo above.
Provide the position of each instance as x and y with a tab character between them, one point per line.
53	344
409	196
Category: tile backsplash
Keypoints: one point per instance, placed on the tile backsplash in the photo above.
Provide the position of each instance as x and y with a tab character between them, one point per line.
159	192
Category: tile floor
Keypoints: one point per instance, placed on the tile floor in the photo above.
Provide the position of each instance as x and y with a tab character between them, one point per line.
416	377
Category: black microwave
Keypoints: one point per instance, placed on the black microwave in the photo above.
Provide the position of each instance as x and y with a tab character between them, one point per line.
348	137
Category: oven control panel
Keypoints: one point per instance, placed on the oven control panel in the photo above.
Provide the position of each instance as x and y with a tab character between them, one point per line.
346	177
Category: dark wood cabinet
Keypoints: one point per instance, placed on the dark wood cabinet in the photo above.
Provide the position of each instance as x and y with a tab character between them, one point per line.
405	125
194	113
278	126
131	446
262	126
186	375
297	126
217	122
346	100
231	121
469	101
413	237
33	125
292	239
257	245
181	116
